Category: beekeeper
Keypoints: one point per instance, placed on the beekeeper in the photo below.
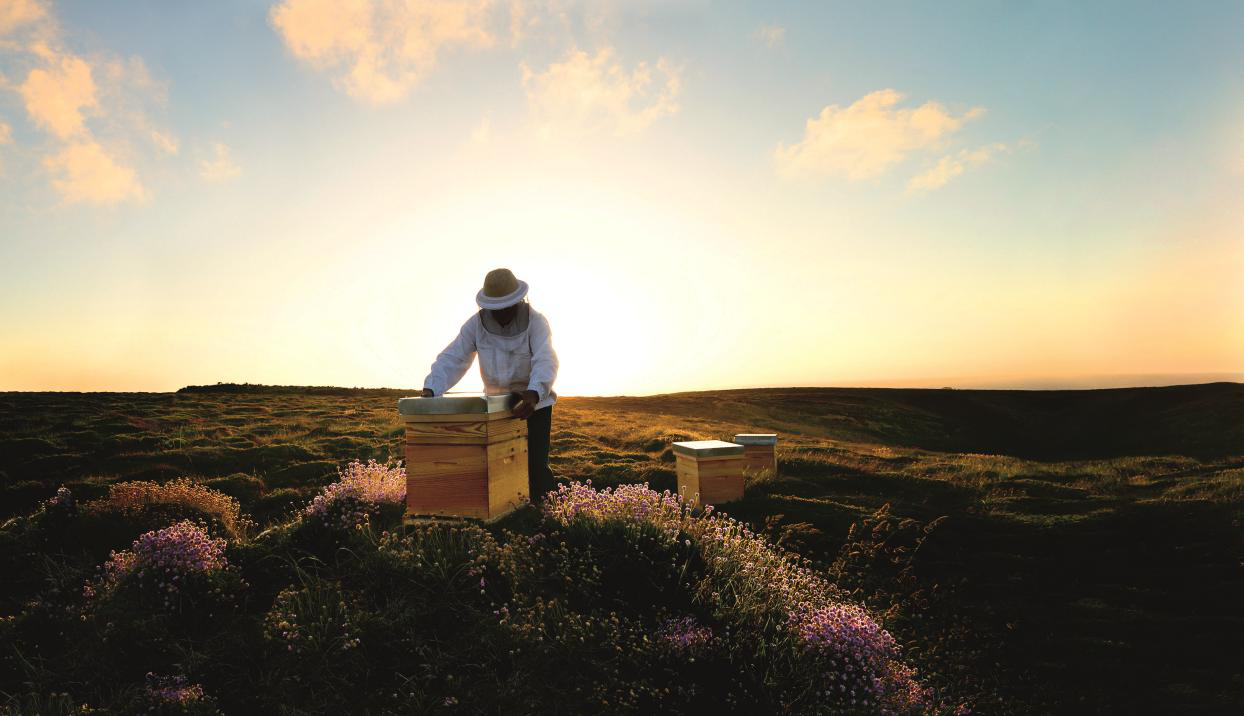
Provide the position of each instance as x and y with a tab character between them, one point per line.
516	355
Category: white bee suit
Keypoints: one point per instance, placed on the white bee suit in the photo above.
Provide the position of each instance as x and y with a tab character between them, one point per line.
518	362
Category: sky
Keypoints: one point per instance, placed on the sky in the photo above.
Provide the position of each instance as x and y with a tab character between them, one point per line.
701	195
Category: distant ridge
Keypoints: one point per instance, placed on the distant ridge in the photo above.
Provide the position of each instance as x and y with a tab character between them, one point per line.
1194	420
290	389
340	390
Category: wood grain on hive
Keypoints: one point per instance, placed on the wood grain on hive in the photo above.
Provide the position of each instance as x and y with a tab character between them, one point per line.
710	472
759	451
466	456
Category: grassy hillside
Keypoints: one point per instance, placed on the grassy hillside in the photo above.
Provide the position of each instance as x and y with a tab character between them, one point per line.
1089	559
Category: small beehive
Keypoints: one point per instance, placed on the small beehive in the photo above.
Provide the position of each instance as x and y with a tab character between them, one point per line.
759	451
466	456
709	471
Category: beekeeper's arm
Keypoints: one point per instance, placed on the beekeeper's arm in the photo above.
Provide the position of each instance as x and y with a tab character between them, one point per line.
543	367
543	358
453	362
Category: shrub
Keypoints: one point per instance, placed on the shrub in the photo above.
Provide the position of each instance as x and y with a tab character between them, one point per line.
312	620
57	703
313	640
21	496
440	567
824	652
240	486
182	492
276	505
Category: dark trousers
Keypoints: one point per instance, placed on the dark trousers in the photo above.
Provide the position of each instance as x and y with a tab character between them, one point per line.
539	475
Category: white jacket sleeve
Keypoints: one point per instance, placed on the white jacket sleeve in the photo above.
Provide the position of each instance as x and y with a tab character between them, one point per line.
543	358
454	361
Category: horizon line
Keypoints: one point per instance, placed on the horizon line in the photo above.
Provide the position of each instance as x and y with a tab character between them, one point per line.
1043	384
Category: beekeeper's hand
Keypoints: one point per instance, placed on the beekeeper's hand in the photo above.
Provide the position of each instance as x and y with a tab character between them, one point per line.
427	393
526	404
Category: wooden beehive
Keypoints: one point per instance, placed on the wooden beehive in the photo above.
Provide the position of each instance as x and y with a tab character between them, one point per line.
710	472
466	456
759	451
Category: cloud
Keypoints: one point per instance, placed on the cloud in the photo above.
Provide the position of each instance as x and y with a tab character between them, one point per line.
952	165
771	35
6	137
165	142
584	93
378	51
867	138
88	174
220	167
92	108
57	95
15	13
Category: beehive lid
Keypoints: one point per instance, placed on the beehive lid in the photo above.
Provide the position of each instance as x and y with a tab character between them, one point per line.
707	448
756	438
455	404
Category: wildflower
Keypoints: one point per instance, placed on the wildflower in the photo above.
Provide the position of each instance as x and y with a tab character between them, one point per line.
161	558
358	493
684	634
62	500
172	690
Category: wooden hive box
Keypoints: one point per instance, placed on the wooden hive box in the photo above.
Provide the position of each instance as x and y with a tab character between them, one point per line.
466	456
759	451
709	471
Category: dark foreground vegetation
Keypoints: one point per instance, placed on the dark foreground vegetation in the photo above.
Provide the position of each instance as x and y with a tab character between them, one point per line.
1030	552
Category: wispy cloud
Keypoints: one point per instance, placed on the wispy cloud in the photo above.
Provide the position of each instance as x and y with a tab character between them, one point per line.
771	35
165	142
588	93
6	137
950	166
378	51
865	139
220	167
15	13
91	107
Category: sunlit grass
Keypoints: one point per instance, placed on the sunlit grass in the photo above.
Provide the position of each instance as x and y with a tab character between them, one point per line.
1060	552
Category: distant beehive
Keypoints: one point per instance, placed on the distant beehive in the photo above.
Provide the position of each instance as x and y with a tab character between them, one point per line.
709	471
759	451
466	456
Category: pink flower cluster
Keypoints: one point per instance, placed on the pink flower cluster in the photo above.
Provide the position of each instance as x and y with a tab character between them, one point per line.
684	634
164	558
172	690
63	500
861	658
358	491
856	649
633	503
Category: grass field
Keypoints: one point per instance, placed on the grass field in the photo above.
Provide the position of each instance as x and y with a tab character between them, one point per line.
1089	559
